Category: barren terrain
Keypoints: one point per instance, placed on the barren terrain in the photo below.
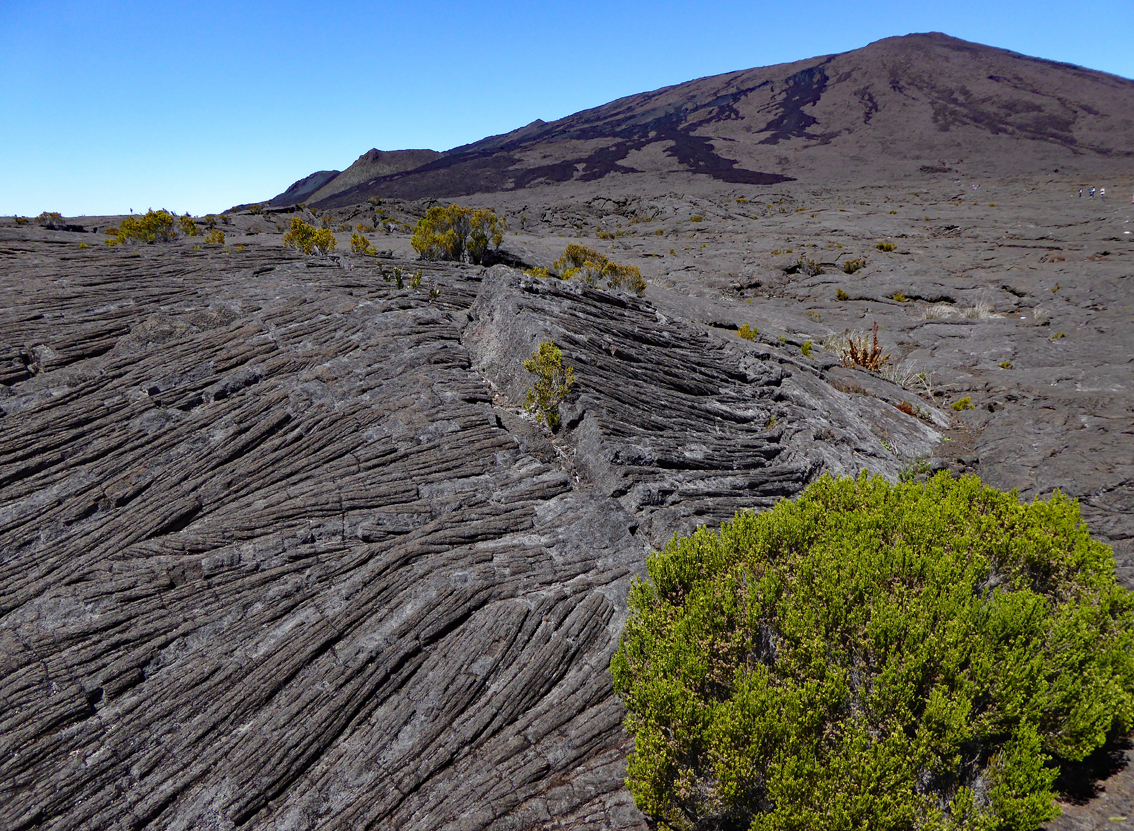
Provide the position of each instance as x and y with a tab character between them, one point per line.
281	549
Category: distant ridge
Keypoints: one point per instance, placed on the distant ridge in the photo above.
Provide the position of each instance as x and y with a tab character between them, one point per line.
917	105
373	164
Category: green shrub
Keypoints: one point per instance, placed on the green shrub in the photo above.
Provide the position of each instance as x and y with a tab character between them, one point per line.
553	382
851	266
188	226
841	295
747	332
453	232
886	246
592	267
874	657
155	226
965	403
309	239
361	245
49	219
806	349
215	237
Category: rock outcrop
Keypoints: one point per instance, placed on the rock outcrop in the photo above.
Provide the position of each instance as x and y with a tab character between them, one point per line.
279	549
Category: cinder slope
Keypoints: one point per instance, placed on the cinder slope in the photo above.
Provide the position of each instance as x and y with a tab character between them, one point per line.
372	164
885	111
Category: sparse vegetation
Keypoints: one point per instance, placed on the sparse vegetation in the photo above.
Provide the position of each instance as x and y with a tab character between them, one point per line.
806	349
214	237
874	656
593	267
552	384
899	297
841	295
747	332
455	233
808	266
961	404
188	226
886	246
851	266
913	469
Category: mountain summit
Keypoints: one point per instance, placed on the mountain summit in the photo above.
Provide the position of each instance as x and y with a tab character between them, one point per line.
918	105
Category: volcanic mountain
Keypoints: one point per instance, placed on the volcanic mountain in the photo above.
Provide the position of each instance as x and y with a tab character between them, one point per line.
918	105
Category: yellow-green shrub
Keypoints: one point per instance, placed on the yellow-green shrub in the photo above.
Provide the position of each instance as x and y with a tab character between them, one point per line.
154	226
453	232
309	239
592	267
188	226
361	245
553	382
874	657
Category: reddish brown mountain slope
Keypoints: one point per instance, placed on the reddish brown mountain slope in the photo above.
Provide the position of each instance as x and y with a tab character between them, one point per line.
887	110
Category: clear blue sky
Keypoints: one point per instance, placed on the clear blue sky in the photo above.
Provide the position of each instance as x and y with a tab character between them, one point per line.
197	106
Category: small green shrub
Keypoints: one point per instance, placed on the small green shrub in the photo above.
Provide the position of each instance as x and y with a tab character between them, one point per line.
874	656
83	245
806	349
188	226
914	469
361	245
215	237
841	295
553	383
49	219
747	332
154	226
22	220
899	297
1005	364
851	266
592	267
696	218
454	233
308	239
965	403
886	246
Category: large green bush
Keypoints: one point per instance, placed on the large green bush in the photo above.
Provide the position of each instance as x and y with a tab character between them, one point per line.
453	232
874	657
